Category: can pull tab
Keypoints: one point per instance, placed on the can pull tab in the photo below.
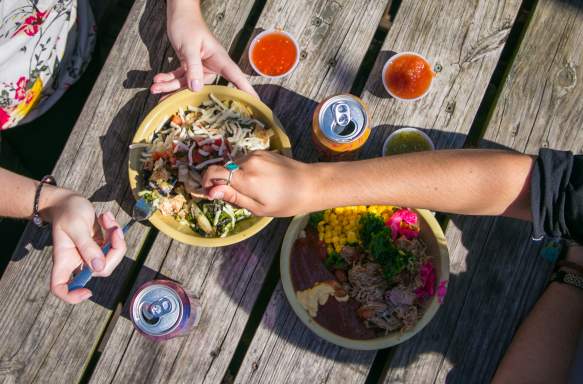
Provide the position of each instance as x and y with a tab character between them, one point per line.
154	311
341	114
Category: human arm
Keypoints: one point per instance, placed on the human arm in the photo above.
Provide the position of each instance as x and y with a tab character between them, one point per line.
74	225
543	348
479	182
201	56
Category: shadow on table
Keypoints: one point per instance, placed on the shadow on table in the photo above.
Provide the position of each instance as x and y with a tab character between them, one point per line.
244	62
127	119
295	112
489	284
376	87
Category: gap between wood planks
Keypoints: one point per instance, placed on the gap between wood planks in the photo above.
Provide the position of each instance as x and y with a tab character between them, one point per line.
500	74
475	134
273	275
477	130
123	296
235	52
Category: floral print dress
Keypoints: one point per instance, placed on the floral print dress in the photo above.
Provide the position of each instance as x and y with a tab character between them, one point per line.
45	46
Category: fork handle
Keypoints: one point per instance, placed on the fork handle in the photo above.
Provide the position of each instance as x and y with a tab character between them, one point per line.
84	276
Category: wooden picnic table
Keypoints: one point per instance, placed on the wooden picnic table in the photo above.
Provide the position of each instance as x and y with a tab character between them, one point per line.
508	77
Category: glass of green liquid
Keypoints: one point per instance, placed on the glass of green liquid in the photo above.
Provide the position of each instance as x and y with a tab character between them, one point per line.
406	140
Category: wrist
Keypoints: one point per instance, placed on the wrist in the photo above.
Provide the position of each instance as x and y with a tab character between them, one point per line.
320	178
183	8
50	199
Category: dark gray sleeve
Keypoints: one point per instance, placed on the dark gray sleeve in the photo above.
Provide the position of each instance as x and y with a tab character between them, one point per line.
556	192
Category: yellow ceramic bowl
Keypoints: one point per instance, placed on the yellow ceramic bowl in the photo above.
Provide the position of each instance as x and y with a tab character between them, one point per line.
434	239
159	115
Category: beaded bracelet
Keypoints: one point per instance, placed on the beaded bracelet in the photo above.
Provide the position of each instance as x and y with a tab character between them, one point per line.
36	219
568	278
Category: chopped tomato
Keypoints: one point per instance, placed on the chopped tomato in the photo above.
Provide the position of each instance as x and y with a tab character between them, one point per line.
164	154
197	157
176	119
218	141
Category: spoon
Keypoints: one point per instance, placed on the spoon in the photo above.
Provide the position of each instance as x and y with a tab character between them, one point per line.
141	211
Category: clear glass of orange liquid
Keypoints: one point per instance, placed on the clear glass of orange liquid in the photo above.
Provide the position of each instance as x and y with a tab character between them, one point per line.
274	53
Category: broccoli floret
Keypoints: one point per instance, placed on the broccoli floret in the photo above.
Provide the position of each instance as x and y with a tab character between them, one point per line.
315	218
369	225
335	261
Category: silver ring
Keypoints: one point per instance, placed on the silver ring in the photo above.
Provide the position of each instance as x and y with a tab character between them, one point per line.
232	167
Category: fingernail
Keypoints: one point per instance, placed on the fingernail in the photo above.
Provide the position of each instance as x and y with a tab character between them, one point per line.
87	295
110	215
195	85
98	264
154	91
218	195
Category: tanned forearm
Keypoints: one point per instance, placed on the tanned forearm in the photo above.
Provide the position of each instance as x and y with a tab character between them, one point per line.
477	182
543	349
17	195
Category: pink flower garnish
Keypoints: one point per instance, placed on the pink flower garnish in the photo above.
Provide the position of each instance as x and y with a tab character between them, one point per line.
441	291
428	278
403	223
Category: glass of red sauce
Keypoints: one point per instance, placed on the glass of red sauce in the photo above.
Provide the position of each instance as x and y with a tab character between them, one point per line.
274	53
407	76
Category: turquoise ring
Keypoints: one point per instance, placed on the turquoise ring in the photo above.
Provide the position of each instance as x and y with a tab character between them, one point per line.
232	167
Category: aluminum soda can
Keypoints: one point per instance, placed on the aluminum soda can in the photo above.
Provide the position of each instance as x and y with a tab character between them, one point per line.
340	127
162	309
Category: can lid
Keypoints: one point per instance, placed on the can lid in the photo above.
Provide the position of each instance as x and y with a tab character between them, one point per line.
157	310
342	119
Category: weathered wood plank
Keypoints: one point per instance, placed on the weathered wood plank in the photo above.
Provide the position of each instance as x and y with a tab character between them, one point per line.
538	107
465	38
467	45
284	350
123	358
228	280
334	37
43	338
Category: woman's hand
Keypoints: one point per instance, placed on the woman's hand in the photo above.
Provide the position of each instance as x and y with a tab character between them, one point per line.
267	184
75	228
201	56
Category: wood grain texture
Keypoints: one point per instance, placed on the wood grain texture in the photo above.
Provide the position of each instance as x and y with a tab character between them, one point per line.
465	38
334	37
540	104
128	357
284	350
538	107
228	280
45	340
